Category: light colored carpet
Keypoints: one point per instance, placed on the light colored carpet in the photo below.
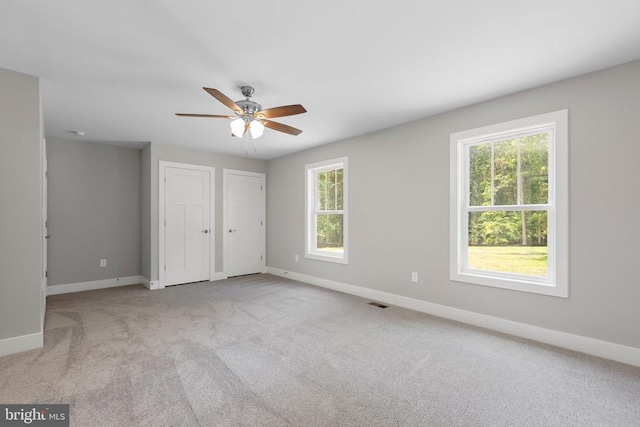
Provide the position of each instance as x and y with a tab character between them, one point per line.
260	350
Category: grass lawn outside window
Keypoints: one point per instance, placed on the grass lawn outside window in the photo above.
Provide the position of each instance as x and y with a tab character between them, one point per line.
530	260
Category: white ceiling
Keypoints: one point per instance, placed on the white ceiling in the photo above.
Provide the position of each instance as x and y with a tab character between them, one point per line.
120	69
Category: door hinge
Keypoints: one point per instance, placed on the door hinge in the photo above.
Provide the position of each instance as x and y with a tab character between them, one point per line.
260	257
260	222
46	274
165	179
165	267
165	223
46	224
261	188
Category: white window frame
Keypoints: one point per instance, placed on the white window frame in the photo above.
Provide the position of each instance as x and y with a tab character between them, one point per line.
557	282
311	170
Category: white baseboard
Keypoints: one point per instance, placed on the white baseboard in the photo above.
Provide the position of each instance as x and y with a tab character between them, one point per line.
21	343
592	346
93	285
150	284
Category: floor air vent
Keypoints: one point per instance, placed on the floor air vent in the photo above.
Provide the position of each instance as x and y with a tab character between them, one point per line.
377	304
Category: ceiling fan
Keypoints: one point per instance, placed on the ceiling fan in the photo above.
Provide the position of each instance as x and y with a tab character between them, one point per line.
250	115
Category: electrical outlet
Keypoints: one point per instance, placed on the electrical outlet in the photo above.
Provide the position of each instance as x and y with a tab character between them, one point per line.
414	277
103	263
297	258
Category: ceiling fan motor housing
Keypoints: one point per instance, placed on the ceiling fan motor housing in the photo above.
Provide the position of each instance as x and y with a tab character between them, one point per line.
249	107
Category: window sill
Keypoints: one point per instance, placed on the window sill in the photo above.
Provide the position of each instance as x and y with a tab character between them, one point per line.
522	285
326	257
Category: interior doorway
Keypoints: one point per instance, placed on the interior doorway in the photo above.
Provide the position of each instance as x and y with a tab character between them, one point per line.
244	222
186	220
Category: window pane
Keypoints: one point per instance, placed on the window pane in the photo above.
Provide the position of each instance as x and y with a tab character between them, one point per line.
509	242
505	169
321	193
480	175
329	233
329	187
534	169
331	190
340	182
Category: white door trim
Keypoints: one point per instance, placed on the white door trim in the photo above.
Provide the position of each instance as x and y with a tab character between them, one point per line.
44	230
162	165
225	174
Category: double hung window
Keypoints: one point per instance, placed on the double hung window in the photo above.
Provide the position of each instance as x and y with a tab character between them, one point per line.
509	205
326	219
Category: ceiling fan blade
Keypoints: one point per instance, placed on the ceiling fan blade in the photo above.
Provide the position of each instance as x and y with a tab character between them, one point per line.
285	110
217	116
280	127
224	99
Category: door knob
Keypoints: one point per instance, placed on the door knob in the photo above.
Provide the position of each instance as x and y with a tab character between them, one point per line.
232	230
205	231
47	236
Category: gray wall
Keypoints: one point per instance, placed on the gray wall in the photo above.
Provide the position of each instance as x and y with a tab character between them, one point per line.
94	211
20	210
399	209
181	155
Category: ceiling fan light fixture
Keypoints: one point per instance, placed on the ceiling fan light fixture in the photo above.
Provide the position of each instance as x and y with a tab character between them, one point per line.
256	128
237	127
